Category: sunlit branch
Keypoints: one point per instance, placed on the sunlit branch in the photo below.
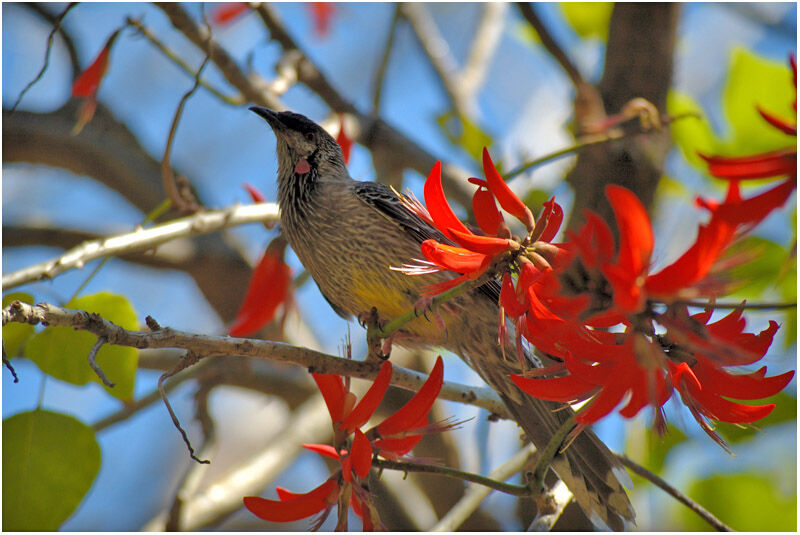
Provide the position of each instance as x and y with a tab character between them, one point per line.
204	346
143	239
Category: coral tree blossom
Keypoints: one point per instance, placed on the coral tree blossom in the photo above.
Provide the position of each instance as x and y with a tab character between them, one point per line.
393	438
617	333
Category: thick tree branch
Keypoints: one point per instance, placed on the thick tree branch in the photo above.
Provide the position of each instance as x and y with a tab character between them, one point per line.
216	346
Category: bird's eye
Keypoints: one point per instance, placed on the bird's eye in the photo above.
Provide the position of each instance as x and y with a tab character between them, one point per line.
311	137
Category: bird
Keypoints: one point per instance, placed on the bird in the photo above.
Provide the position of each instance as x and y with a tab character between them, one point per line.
349	234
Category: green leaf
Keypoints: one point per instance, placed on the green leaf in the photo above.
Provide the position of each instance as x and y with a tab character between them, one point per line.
63	352
464	133
16	334
691	134
49	463
785	410
745	502
753	81
764	269
588	19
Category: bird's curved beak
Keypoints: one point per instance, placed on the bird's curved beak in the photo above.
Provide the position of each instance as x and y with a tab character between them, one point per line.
272	117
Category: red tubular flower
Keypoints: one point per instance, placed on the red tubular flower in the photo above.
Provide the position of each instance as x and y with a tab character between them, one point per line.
764	165
268	289
392	438
87	84
225	13
322	13
344	140
296	506
485	209
507	198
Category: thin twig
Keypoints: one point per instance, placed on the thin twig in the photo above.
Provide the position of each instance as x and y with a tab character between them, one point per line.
56	26
507	488
7	364
675	493
204	346
551	507
182	198
175	58
610	137
53	19
131	408
550	44
380	73
143	239
475	494
93	362
187	360
731	306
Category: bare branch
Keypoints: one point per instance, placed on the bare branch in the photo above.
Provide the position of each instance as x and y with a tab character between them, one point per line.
675	493
53	19
93	362
380	74
212	504
551	45
215	346
372	131
175	58
143	239
56	26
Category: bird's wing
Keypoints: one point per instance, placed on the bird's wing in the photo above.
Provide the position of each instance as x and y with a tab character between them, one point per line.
384	200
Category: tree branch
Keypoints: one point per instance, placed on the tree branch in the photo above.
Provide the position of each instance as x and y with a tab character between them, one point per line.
550	44
373	132
143	239
216	346
675	493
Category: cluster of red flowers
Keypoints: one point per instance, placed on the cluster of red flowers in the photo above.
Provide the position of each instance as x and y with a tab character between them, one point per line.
393	438
615	330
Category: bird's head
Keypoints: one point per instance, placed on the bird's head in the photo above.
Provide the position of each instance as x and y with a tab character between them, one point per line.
306	151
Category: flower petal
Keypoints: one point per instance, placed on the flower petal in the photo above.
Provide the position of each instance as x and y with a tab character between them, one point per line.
554	220
343	140
764	165
565	389
740	386
88	82
370	401
487	245
437	205
508	298
333	392
635	231
268	289
361	454
225	13
301	506
454	258
326	450
417	407
485	209
507	198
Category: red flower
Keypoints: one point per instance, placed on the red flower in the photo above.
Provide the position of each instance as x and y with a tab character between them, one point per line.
87	84
781	162
227	12
268	290
475	253
322	14
392	438
343	140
